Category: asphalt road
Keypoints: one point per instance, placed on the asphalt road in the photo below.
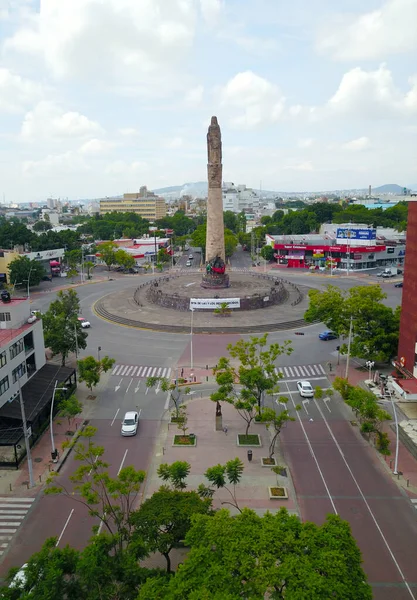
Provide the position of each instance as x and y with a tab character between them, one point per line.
333	469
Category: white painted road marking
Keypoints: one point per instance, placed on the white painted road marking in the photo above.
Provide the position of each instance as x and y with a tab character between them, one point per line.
65	526
123	460
114	418
127	389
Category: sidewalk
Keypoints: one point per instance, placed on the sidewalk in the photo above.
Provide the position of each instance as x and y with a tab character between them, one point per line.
214	447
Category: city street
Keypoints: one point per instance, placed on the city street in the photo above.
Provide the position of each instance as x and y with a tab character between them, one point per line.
333	468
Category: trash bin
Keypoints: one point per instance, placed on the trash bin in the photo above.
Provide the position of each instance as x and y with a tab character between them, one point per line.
250	455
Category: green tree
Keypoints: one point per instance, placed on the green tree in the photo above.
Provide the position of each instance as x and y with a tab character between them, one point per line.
255	375
69	408
275	556
267	252
226	477
22	268
230	221
230	243
107	253
163	256
71	273
175	393
62	330
73	258
163	521
174	474
198	238
275	421
89	265
42	226
110	499
90	370
124	259
375	325
14	233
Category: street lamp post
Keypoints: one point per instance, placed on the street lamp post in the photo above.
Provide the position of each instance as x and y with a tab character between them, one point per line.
397	441
98	353
54	453
349	344
370	364
28	282
191	343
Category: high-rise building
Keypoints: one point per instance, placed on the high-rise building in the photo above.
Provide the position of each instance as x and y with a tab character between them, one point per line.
238	198
407	348
144	203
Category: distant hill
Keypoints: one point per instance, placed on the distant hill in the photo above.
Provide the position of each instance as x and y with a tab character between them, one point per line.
389	188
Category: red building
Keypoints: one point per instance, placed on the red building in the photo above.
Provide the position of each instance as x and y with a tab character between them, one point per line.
407	348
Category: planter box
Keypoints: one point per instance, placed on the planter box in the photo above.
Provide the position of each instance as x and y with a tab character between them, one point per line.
273	462
282	490
191	441
251	440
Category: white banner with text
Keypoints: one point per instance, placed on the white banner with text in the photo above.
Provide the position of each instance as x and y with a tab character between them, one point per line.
211	303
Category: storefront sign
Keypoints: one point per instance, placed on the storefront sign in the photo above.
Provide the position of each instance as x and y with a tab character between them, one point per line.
356	234
338	248
357	256
296	255
211	303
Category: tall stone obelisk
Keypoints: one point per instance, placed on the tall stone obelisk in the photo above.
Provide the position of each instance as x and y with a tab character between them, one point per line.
215	255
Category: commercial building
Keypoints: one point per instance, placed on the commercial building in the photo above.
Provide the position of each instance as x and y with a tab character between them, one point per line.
407	348
50	259
144	203
23	368
144	250
349	248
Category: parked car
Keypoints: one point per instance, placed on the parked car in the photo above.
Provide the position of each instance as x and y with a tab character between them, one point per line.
84	323
328	335
130	423
190	257
305	389
188	263
400	284
47	278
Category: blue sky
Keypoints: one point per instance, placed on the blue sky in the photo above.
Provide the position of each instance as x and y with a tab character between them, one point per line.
99	97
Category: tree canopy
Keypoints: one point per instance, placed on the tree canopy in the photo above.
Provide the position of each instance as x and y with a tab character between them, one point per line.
375	325
22	269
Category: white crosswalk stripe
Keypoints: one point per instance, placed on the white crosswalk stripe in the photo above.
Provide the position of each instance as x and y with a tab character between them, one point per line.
304	371
12	513
141	371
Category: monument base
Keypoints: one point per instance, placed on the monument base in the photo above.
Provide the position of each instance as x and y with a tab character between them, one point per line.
215	281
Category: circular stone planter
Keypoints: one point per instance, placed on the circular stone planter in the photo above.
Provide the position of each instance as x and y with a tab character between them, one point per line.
277	492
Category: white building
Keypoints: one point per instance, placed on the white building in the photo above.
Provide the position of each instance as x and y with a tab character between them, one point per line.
238	198
23	365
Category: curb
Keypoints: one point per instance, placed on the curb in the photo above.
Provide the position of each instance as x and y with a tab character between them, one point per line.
68	450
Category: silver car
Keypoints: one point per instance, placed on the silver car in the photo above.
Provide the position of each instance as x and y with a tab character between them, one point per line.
130	423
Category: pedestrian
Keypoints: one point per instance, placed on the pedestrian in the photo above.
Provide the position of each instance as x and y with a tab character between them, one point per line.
330	367
225	430
182	372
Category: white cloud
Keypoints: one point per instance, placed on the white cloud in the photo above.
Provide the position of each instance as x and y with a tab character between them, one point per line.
55	165
128	132
259	101
390	29
357	145
194	96
211	11
47	120
371	94
95	147
122	168
117	40
17	93
176	142
305	143
304	166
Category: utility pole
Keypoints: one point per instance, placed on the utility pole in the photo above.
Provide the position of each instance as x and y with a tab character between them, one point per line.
26	436
349	343
76	340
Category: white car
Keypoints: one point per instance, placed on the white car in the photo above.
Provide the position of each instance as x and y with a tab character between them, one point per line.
305	389
191	257
84	323
188	263
130	423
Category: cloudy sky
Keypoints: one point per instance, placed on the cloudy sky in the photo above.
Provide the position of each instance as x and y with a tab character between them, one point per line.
99	97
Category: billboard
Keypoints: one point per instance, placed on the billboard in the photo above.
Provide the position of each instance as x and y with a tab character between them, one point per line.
210	303
351	233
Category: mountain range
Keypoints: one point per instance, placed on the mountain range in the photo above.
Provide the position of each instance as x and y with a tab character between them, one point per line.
199	189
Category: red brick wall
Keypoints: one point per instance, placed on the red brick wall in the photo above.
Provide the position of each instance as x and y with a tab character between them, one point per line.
408	326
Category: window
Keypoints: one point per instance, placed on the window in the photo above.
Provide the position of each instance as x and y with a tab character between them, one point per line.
4	385
18	372
16	348
3	359
5	316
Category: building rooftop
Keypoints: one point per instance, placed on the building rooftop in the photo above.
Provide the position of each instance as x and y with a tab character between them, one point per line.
7	335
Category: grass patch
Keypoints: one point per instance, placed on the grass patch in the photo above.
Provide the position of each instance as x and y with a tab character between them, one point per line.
251	439
184	440
278	492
